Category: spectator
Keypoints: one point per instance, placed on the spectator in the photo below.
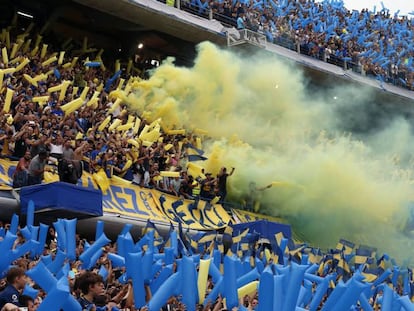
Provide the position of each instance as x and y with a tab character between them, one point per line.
207	187
241	22
37	168
91	286
69	171
67	151
252	200
82	148
21	142
21	173
55	146
27	302
16	281
222	183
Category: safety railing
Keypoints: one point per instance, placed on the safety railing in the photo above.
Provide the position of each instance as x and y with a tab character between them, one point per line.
244	36
284	40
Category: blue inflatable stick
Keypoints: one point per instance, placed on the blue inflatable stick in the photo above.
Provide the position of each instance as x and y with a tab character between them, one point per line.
57	297
94	259
99	229
217	289
56	73
350	296
46	259
363	300
70	230
319	293
25	231
134	269
251	276
14	225
42	276
169	255
189	282
293	287
86	256
266	286
57	263
110	81
103	272
147	261
61	234
93	64
161	278
230	282
406	303
30	214
20	251
42	238
117	261
165	291
278	296
30	291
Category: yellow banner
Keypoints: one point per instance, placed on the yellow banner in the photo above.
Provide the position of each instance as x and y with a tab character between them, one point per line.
244	216
6	173
126	199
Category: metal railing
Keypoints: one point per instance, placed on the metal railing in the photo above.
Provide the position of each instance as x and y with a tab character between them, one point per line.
288	42
246	36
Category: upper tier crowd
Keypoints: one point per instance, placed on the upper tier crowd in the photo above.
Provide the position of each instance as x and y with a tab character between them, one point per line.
372	42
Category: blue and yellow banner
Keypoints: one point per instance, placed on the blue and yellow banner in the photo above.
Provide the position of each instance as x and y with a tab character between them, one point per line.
241	216
126	199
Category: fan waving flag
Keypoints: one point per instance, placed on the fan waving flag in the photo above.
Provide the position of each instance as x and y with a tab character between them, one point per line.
196	157
194	154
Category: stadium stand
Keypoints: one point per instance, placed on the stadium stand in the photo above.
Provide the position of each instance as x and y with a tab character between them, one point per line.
71	109
372	43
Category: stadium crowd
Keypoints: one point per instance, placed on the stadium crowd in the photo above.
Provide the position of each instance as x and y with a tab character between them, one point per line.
369	41
103	283
37	129
92	288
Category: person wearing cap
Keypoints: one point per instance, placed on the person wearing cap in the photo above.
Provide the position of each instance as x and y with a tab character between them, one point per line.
37	168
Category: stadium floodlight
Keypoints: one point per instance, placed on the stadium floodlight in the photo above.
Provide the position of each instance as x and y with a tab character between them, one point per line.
24	14
140	45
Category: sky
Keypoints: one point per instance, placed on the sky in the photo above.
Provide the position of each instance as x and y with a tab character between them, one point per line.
405	6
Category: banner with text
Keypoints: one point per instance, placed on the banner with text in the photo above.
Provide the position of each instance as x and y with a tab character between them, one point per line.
126	199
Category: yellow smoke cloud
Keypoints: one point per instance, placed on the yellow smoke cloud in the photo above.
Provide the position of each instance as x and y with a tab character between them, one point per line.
263	121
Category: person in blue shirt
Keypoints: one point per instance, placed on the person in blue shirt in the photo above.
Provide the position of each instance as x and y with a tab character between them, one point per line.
16	281
240	22
91	286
